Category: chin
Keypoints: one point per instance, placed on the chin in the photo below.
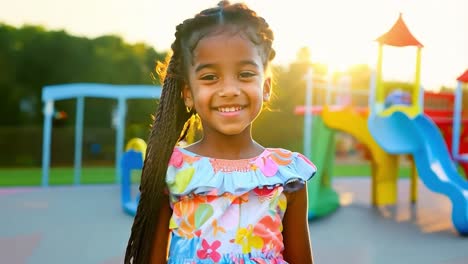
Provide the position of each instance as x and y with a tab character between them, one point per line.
232	131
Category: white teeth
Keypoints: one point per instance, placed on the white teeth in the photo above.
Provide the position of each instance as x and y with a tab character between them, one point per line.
229	109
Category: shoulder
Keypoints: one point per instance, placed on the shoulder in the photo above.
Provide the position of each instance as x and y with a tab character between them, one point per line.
288	155
293	167
180	156
292	160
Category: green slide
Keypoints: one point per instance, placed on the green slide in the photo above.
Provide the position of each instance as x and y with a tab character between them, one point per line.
323	199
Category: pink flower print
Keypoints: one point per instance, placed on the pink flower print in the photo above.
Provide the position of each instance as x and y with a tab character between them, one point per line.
266	165
177	159
209	251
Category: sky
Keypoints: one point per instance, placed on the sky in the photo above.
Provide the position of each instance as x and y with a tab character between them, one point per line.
339	33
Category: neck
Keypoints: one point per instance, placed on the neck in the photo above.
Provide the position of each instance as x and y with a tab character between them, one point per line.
241	146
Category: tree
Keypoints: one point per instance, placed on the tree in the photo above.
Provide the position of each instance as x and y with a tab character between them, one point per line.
32	57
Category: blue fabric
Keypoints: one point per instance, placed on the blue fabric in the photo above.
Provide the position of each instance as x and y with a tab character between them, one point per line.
204	179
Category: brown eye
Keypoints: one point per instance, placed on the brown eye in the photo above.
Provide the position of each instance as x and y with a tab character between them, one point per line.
247	74
209	77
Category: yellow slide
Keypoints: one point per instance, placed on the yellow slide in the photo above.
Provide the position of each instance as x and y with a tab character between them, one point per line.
384	165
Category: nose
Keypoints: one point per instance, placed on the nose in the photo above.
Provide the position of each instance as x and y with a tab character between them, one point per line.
229	87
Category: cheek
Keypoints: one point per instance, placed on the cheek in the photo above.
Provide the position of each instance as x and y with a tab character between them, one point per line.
203	97
256	98
257	92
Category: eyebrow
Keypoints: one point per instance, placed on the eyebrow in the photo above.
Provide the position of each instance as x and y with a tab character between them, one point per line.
213	65
203	66
249	62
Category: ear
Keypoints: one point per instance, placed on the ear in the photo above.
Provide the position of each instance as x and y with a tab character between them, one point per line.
267	89
187	96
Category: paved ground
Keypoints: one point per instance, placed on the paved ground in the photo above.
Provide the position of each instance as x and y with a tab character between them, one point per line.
86	225
405	233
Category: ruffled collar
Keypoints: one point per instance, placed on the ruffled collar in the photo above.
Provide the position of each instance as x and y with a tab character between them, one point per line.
193	154
189	172
268	161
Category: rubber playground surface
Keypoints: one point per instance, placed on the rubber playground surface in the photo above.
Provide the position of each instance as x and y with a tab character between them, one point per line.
86	225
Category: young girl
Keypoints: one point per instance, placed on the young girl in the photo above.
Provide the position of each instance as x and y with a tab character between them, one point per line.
225	198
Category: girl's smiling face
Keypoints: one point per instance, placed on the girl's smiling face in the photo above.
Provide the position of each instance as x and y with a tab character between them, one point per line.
226	83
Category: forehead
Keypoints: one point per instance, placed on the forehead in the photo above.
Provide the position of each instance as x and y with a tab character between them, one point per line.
226	46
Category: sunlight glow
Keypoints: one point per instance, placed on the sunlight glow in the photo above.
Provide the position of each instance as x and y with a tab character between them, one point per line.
339	33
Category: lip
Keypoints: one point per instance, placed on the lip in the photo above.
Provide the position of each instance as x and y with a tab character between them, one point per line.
230	114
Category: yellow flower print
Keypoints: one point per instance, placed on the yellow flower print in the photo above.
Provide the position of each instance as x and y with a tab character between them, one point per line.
248	240
282	203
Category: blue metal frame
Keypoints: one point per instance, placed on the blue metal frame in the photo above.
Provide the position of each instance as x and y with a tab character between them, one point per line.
53	93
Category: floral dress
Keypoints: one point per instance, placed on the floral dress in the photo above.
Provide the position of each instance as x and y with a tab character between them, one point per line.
231	211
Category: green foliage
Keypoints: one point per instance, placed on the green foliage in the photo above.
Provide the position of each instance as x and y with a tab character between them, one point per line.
31	57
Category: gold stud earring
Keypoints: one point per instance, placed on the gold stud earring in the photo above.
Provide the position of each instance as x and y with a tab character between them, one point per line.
188	109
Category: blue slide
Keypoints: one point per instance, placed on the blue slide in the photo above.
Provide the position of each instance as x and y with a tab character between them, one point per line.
419	136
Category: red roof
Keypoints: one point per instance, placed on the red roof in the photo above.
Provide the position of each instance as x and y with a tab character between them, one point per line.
464	77
399	36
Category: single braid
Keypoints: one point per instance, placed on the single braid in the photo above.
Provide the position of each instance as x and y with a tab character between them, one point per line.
171	117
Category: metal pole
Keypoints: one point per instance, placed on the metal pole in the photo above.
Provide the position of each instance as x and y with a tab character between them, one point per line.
78	139
379	93
308	114
46	141
372	94
328	102
121	112
456	122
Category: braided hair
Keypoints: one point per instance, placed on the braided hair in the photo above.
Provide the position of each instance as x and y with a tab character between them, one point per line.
171	119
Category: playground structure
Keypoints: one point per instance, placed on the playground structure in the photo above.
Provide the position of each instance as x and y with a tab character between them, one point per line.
53	93
393	130
406	130
319	145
